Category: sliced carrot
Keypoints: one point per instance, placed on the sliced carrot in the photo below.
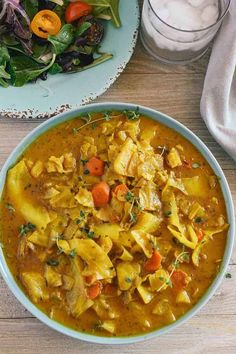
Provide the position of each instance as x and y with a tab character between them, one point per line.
179	279
153	263
95	166
94	290
120	191
109	289
101	194
200	234
89	279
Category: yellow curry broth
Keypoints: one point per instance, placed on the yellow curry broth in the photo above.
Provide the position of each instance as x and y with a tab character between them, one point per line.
120	312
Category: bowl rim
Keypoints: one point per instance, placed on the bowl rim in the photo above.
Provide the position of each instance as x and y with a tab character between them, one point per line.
201	147
217	22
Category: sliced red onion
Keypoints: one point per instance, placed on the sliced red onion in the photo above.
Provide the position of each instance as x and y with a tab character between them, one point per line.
4	9
15	4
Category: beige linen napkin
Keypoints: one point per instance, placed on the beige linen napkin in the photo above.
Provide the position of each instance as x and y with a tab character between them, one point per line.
218	103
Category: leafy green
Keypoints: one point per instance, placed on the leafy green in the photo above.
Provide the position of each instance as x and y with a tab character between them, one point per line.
82	28
76	61
9	39
55	69
31	7
4	59
3	73
4	54
63	39
18	67
86	49
107	9
23	69
104	57
3	82
16	48
39	51
115	16
60	10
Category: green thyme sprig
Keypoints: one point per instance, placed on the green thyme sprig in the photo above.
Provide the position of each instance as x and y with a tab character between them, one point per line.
175	265
10	207
132	114
87	118
26	228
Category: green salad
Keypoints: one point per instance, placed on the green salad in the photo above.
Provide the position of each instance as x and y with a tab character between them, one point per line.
41	37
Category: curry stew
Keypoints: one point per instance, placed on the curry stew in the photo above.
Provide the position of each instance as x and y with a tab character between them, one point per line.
113	224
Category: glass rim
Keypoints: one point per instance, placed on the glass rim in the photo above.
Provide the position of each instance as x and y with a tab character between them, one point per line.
192	31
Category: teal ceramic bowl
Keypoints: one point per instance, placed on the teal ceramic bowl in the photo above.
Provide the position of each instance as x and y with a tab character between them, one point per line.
160	117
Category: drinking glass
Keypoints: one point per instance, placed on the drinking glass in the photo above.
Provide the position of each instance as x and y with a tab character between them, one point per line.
173	45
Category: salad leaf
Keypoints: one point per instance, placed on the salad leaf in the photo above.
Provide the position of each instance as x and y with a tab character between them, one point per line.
60	10
39	50
24	69
115	16
24	57
4	59
3	29
82	28
16	48
107	9
4	76
4	54
9	39
104	57
63	39
3	73
55	69
3	83
86	49
31	7
16	19
10	6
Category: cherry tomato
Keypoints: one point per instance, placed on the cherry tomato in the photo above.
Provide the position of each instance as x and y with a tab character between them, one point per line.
45	23
77	9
